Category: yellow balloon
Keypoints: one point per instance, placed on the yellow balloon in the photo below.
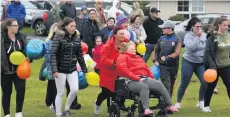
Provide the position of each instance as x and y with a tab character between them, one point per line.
17	58
92	78
141	49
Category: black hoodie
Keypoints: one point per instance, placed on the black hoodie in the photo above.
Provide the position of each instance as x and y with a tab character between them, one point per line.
152	30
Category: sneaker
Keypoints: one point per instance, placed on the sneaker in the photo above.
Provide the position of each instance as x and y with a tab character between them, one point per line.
66	113
8	115
148	112
52	108
206	109
200	104
178	105
215	91
172	109
19	114
75	106
97	109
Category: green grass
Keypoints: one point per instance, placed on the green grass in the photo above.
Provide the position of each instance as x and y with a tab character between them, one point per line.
28	30
34	105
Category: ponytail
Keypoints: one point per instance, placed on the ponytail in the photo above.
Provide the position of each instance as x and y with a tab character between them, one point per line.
191	23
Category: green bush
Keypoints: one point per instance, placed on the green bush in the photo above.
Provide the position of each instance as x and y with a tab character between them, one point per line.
177	17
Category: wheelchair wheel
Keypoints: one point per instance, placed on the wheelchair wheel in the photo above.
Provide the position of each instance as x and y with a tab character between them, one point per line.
140	107
131	114
114	110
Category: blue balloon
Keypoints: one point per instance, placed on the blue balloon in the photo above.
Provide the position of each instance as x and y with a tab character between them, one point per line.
82	80
155	71
45	73
35	49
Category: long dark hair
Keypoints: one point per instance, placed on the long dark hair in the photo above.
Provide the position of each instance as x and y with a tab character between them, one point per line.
65	22
132	20
191	23
116	29
5	24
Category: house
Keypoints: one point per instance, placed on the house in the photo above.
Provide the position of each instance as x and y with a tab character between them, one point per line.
189	8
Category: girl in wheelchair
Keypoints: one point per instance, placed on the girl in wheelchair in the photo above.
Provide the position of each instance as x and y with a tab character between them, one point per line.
140	80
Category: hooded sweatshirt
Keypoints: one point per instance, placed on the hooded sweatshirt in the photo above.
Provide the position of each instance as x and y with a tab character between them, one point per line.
113	10
194	47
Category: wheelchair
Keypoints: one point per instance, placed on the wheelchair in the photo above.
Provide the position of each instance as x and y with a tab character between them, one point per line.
122	91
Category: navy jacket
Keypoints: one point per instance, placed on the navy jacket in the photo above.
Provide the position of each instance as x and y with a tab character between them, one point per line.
105	31
16	11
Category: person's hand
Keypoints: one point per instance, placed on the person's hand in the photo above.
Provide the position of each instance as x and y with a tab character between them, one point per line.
198	34
163	58
137	41
156	63
55	75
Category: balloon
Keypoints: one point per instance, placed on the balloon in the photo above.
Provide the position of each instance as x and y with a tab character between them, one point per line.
155	71
90	64
82	82
24	70
35	49
84	48
92	78
126	34
210	75
141	49
17	58
45	73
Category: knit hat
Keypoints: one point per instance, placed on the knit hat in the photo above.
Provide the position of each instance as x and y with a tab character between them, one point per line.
120	18
83	7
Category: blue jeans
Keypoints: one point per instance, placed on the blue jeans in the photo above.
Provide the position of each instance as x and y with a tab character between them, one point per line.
149	50
187	70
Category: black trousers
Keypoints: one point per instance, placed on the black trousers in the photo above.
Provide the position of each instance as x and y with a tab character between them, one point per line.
105	94
20	85
51	93
224	73
168	77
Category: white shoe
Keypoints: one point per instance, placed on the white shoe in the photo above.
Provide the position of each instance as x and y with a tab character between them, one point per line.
52	108
96	109
8	115
178	105
200	104
206	109
19	114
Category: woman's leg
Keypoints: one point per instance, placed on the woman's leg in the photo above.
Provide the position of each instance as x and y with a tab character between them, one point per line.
157	86
186	75
73	83
199	70
41	77
102	96
20	87
6	83
225	75
60	85
50	92
142	89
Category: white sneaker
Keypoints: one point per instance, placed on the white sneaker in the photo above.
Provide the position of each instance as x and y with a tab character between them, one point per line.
52	108
19	114
96	109
206	109
200	104
178	105
8	115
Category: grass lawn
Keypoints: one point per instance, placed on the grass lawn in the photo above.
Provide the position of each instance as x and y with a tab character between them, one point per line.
34	105
28	30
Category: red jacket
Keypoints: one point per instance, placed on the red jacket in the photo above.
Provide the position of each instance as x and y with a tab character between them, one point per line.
132	66
96	52
109	54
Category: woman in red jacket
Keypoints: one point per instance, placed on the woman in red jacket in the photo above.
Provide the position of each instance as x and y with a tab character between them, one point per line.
108	75
139	77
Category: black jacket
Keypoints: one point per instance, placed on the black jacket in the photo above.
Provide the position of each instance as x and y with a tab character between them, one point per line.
7	47
66	52
89	31
210	50
152	30
68	10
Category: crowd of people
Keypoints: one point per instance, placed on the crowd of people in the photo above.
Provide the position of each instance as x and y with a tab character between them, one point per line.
112	44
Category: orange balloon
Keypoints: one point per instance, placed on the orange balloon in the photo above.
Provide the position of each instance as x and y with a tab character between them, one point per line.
210	75
24	70
84	48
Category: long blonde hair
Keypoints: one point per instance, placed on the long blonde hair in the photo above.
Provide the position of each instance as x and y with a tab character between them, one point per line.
53	29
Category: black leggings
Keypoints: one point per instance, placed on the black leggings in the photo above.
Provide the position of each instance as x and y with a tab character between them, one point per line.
224	73
51	93
105	94
6	82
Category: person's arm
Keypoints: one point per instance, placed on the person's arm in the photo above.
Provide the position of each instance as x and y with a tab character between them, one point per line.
80	59
177	50
105	60
208	60
123	68
156	51
9	11
191	42
54	51
23	15
143	35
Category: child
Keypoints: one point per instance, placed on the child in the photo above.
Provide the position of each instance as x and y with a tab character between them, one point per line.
84	10
139	78
96	53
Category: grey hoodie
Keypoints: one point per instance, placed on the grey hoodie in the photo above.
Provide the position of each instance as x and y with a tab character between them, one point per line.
194	47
